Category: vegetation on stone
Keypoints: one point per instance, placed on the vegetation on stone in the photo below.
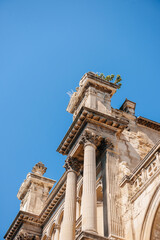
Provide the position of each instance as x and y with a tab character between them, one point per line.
110	78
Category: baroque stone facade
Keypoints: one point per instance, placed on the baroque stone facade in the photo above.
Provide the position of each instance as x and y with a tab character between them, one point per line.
111	186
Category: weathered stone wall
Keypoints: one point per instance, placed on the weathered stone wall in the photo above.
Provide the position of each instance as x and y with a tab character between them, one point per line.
135	142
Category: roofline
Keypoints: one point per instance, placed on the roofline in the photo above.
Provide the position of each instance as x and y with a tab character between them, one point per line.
148	123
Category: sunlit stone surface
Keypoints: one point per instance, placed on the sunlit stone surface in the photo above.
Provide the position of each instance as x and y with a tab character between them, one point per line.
111	186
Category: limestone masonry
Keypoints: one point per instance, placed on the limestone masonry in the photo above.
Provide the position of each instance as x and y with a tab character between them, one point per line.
111	186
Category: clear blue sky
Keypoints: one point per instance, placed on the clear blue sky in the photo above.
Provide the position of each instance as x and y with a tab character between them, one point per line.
45	48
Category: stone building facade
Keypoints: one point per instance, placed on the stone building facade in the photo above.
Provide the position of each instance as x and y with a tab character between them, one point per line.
111	186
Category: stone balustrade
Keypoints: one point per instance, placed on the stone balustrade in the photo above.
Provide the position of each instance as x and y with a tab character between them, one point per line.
146	173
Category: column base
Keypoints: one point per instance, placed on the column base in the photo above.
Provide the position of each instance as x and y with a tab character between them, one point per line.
90	236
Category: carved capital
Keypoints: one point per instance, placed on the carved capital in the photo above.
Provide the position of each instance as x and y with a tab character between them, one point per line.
22	235
72	164
90	137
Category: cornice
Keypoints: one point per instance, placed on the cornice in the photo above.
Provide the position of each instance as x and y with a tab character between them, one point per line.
148	123
87	115
20	218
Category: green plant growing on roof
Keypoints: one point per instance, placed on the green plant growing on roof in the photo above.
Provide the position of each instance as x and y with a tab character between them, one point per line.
110	78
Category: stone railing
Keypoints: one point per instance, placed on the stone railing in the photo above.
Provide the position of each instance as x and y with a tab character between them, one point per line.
146	170
145	174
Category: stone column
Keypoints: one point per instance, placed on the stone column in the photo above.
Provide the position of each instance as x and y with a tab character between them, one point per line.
69	220
89	199
56	228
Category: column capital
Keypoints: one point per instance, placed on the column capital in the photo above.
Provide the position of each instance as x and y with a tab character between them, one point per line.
72	164
89	137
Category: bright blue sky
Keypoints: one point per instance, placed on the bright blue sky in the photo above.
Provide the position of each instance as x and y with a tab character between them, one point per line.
45	48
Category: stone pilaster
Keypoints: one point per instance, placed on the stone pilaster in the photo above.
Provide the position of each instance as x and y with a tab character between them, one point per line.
68	227
89	200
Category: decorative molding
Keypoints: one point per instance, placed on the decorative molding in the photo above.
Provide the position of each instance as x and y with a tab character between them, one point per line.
86	115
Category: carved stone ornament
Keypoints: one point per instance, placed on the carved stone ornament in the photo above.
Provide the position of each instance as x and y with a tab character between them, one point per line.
72	164
39	169
91	137
26	236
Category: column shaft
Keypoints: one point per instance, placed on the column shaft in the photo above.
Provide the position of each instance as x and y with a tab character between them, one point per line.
89	209
69	219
